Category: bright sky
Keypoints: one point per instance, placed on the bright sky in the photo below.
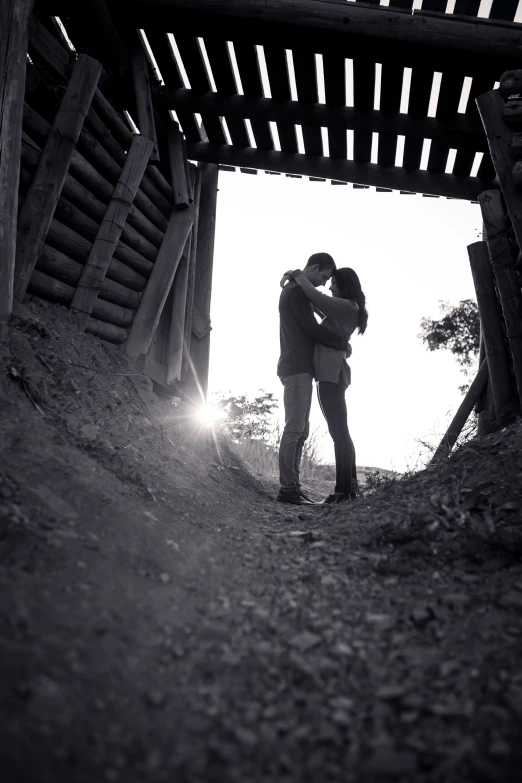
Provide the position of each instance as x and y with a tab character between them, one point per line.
409	252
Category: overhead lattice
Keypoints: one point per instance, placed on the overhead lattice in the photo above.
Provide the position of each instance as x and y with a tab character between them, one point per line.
347	91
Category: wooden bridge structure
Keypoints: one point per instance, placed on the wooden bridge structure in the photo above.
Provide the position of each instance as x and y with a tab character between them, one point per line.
116	119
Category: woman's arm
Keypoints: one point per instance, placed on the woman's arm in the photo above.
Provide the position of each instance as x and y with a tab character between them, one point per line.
329	305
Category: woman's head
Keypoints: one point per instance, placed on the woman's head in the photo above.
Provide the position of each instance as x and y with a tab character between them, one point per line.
346	285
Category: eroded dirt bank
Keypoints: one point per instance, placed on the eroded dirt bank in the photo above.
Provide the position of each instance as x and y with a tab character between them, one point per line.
162	619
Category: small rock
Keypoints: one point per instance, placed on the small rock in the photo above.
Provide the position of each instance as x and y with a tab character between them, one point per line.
329	580
155	699
165	578
305	641
421	615
90	431
511	600
391	692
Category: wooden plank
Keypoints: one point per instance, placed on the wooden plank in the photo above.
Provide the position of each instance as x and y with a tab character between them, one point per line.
471	35
504	10
111	229
306	83
456	130
278	77
248	68
162	51
197	76
39	205
363	100
466	155
141	81
219	59
177	321
491	324
367	174
177	164
466	7
506	276
187	329
463	413
448	103
160	281
14	17
335	95
44	47
391	89
418	104
200	348
499	135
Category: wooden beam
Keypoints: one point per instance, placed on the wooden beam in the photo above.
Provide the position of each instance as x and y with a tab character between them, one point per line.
14	17
39	205
197	385
187	329
177	322
506	276
384	25
178	166
499	135
141	80
111	228
463	413
160	281
456	131
491	323
368	174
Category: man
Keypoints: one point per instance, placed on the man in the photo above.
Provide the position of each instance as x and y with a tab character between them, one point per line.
299	331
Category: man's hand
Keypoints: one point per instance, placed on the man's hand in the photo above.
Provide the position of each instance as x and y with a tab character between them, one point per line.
348	350
288	276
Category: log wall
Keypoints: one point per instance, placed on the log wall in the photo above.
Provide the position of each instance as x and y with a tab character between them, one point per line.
103	224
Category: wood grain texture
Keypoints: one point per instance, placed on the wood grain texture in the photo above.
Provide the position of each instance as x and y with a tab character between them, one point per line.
111	228
14	18
38	208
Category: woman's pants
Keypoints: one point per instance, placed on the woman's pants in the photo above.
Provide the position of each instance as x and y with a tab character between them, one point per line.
333	405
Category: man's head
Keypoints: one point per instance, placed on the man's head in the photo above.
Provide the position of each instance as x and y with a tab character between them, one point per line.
319	268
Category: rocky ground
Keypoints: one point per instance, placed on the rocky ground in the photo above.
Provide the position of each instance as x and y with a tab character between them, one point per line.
162	619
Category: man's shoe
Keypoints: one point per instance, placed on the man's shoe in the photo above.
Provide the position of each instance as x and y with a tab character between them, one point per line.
337	497
309	500
294	497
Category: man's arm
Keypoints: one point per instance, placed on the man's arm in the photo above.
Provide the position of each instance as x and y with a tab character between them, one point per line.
316	332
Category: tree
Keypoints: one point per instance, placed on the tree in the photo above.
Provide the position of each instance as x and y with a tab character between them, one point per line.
457	331
246	417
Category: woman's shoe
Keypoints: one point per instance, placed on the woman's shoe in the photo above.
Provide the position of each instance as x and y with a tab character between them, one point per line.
337	497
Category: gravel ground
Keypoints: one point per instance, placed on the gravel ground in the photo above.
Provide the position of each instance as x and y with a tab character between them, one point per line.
162	618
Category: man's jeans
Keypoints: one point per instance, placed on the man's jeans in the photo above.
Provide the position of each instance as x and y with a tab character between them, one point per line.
297	401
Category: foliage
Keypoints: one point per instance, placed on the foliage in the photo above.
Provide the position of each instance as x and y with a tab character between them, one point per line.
457	331
246	417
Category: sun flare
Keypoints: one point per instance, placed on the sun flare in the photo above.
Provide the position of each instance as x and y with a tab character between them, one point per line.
210	415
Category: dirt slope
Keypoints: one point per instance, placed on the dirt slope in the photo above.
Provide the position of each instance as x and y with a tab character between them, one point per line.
161	618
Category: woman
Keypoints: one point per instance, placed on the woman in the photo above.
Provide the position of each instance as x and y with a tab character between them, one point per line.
344	312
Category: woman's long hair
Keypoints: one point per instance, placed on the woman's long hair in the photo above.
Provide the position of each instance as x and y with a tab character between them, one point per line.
350	288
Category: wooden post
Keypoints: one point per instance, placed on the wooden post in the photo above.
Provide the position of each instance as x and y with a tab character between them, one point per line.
186	373
14	18
197	385
177	323
499	135
506	276
39	205
141	77
111	228
491	322
160	281
463	412
178	171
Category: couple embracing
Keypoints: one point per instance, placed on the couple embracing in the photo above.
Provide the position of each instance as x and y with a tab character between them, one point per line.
312	350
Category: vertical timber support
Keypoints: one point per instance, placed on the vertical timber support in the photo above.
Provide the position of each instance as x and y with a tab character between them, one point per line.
497	355
44	192
14	20
160	281
186	366
506	276
197	385
110	230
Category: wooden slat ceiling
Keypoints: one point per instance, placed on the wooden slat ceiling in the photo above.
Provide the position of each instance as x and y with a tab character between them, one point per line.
362	139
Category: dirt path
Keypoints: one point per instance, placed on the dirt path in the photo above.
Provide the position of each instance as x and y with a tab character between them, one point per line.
161	618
